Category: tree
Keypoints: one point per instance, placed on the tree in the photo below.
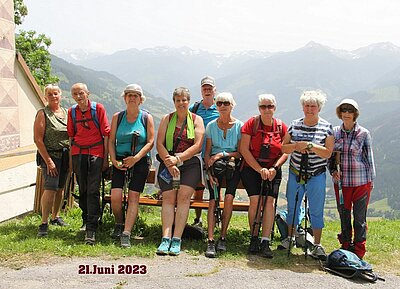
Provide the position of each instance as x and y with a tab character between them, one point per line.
34	48
20	11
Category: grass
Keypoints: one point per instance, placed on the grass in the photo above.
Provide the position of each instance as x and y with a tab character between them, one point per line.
19	246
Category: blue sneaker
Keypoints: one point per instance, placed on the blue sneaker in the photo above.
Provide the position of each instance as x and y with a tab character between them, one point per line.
164	246
175	248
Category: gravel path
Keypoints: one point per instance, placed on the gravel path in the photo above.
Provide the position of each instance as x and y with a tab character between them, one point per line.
184	271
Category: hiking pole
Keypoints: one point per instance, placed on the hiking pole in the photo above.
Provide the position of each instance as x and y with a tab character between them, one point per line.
257	221
217	210
293	219
128	174
67	190
304	165
275	204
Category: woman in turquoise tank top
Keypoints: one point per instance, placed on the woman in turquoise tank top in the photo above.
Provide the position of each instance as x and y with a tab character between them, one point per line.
129	145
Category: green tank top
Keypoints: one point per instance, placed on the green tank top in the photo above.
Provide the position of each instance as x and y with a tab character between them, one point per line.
55	134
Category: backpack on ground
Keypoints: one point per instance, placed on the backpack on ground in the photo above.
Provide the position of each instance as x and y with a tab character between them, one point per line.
303	238
348	265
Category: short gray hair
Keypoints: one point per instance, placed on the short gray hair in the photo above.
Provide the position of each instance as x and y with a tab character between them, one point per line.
314	96
266	96
225	96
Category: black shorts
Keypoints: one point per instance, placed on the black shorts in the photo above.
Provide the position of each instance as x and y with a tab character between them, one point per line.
231	185
58	182
252	183
139	173
190	174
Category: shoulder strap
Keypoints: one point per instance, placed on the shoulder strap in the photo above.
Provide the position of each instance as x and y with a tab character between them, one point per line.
256	124
145	116
196	106
120	116
93	111
279	126
73	115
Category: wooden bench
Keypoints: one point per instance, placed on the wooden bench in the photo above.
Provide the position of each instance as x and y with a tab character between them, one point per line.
202	204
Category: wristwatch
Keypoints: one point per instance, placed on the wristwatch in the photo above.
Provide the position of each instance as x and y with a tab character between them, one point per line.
276	168
310	145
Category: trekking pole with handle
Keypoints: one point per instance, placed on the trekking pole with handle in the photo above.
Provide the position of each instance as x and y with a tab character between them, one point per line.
304	164
337	162
259	213
217	210
128	174
302	178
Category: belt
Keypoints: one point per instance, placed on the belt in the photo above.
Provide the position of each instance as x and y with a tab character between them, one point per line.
309	175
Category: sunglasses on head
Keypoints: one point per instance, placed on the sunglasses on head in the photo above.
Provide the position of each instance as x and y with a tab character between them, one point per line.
347	109
265	106
225	103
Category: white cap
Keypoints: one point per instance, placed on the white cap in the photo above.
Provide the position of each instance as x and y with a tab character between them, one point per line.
349	101
133	88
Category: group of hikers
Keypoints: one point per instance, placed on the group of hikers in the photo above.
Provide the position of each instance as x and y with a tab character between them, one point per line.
204	143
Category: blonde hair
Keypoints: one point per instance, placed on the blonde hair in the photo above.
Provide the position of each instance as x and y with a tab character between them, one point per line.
51	87
313	96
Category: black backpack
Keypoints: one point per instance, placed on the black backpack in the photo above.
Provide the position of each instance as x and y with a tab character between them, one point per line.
348	265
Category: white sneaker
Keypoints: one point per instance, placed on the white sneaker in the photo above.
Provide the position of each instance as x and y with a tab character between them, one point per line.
318	253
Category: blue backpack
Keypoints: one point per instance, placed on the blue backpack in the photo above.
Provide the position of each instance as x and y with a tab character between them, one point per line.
348	265
93	112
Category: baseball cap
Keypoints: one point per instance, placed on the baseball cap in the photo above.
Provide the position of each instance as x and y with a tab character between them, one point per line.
208	80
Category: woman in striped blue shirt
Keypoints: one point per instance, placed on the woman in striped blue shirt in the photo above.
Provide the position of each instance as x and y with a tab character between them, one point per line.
310	142
354	176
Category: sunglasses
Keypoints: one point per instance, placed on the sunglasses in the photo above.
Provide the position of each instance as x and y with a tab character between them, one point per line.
225	103
347	109
265	106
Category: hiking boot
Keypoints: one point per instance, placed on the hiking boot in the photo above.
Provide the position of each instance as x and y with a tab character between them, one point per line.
221	245
210	252
118	228
83	228
43	228
90	237
197	222
265	250
175	248
254	247
164	246
125	240
59	222
318	253
284	245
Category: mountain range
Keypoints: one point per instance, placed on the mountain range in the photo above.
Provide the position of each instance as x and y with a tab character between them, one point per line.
370	74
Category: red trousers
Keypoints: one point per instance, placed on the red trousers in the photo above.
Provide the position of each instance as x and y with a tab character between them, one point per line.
356	198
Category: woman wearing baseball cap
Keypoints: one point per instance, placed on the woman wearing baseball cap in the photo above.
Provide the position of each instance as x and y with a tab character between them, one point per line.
355	175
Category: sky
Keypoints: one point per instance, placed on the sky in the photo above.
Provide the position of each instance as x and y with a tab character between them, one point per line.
219	26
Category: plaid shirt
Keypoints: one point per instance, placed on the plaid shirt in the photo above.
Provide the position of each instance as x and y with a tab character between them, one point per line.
356	156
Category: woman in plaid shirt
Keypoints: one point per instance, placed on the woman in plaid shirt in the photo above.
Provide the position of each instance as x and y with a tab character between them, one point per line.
354	176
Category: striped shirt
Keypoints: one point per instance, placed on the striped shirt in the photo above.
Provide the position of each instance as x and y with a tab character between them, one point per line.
356	156
316	134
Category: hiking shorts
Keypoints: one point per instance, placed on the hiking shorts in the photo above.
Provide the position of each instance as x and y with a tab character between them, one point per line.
139	173
315	190
190	174
53	183
252	183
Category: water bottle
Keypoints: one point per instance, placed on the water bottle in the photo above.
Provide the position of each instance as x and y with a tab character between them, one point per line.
176	182
230	168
